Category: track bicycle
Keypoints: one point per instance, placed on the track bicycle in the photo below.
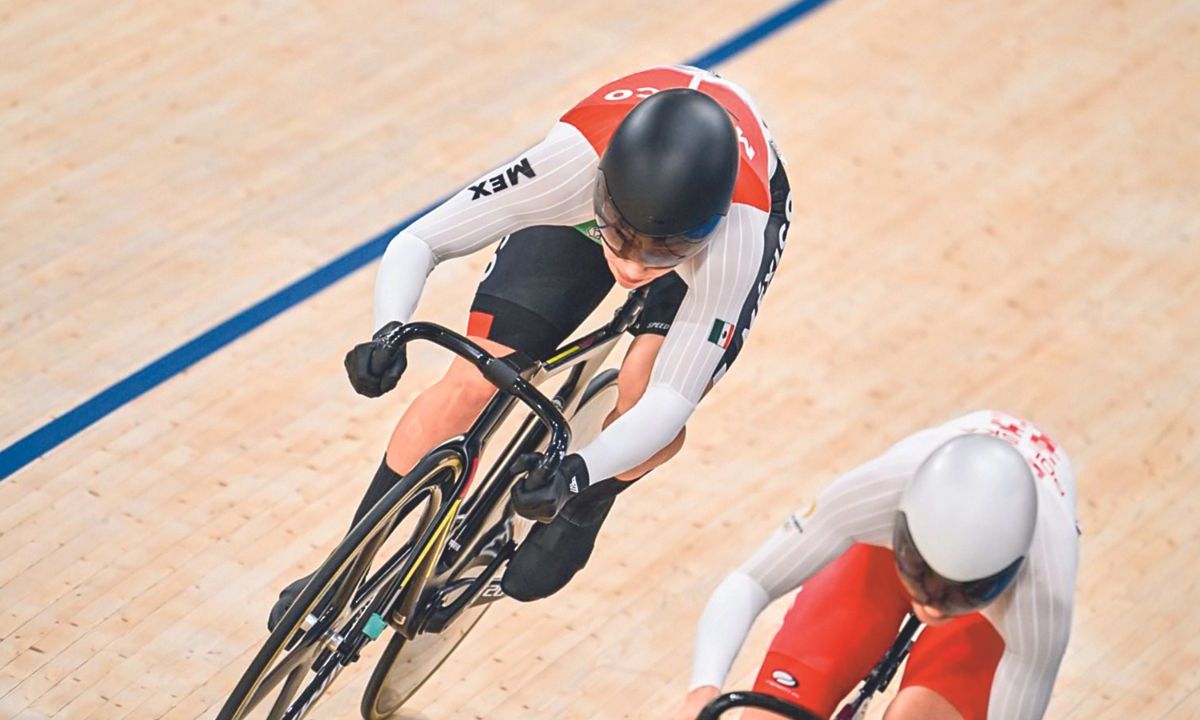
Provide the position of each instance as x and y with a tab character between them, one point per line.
876	682
455	535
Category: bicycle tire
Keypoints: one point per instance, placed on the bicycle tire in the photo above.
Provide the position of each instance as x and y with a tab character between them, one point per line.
386	693
346	565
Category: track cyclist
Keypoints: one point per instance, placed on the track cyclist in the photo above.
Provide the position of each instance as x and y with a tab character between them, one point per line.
668	178
970	526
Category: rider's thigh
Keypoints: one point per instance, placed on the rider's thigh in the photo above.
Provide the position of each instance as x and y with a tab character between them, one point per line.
921	703
842	621
957	662
463	384
442	410
635	370
541	284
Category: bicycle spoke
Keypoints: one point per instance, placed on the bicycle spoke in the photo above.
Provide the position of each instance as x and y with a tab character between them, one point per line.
290	666
326	673
285	695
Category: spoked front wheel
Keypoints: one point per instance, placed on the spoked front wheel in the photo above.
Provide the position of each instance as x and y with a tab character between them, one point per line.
328	623
406	664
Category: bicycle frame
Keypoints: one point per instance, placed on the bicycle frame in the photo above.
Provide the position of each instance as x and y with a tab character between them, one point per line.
441	551
409	591
881	675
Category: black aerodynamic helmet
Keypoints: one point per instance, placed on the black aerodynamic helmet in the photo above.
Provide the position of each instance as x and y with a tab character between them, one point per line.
666	179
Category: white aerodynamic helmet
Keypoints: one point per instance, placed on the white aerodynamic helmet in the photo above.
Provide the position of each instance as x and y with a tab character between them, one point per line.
965	523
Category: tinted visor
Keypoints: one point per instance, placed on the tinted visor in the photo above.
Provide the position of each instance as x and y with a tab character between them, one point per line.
656	251
948	596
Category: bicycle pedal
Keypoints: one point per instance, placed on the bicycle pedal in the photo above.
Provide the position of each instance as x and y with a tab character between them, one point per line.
374	626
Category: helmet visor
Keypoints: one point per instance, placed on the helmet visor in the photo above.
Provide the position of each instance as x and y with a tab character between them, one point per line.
929	588
654	251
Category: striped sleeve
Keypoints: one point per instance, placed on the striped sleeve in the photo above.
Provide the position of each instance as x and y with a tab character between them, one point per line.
859	506
550	184
720	282
1036	624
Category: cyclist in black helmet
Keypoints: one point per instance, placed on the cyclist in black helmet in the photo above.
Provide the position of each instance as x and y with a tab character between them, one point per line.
667	178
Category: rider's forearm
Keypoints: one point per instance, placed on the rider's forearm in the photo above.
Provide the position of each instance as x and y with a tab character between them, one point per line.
406	264
727	618
632	439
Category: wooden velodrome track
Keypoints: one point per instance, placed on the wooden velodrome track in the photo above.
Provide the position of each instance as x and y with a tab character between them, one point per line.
995	205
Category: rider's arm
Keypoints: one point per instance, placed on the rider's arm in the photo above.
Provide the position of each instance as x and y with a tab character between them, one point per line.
550	184
857	507
723	627
721	281
1036	625
632	439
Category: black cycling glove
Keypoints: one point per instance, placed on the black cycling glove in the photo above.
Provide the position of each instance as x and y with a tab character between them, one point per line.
375	367
541	493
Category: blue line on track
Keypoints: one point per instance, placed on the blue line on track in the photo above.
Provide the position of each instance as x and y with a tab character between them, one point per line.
63	428
756	33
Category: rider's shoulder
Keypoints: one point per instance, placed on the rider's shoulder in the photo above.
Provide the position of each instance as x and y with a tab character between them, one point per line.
596	116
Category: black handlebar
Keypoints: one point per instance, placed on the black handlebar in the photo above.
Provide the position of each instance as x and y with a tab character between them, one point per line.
499	373
731	700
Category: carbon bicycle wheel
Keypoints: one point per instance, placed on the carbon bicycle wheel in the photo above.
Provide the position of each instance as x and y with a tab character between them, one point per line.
407	664
326	625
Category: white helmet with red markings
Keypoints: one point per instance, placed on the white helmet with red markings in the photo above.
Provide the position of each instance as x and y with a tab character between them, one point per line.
965	523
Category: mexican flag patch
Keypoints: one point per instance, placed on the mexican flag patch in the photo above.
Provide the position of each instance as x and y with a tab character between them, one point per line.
722	333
